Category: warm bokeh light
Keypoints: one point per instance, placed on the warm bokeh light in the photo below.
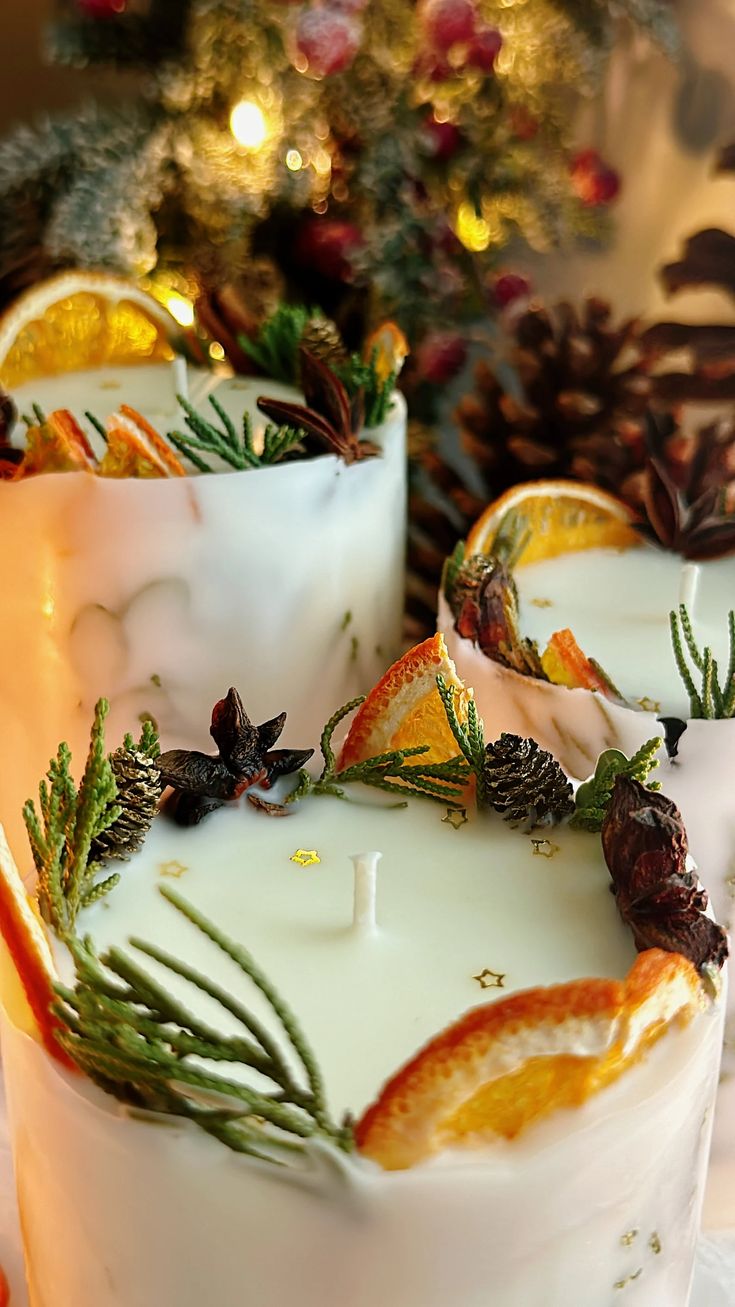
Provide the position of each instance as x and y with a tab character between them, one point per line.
216	351
294	161
179	307
473	230
248	125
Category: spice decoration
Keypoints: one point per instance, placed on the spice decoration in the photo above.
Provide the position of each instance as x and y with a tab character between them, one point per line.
245	757
525	783
698	528
137	779
645	847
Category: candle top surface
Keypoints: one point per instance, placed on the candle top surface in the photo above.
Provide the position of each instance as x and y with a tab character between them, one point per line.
464	916
617	604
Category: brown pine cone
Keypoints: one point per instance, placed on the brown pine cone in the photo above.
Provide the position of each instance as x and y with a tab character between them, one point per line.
525	783
138	780
322	338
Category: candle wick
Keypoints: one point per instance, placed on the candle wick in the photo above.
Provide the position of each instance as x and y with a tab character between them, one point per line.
180	378
688	584
365	888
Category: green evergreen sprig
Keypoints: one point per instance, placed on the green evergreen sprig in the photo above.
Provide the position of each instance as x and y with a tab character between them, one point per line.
225	442
275	349
470	737
593	796
390	771
451	569
61	836
126	1031
712	699
358	374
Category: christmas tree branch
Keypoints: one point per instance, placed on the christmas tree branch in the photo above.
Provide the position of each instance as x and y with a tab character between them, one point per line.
711	700
593	796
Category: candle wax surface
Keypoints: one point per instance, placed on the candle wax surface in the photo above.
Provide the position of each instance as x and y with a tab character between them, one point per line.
617	604
450	905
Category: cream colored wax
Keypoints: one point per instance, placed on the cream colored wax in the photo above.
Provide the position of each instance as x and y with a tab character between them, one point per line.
161	594
587	1200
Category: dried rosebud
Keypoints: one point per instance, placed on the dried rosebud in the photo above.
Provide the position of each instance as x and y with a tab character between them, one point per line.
645	847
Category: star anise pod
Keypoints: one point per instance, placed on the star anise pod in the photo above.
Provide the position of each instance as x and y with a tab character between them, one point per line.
697	529
202	782
645	847
329	416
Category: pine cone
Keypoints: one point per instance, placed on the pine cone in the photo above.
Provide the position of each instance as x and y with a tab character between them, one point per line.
137	776
577	407
322	338
525	783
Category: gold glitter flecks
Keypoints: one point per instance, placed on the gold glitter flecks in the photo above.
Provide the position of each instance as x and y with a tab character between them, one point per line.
174	869
730	882
627	1238
305	857
623	1284
654	1243
544	848
455	817
542	603
649	705
490	979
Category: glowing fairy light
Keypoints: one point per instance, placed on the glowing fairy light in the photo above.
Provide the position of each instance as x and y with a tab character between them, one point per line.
179	307
216	351
248	125
473	231
294	160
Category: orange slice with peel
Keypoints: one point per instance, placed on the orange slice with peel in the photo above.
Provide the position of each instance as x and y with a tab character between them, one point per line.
506	1065
566	664
555	517
79	320
404	709
56	445
135	449
27	967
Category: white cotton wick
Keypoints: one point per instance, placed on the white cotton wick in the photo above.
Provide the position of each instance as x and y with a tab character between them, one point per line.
688	583
180	378
366	881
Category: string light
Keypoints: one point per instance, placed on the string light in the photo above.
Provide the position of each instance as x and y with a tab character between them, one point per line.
248	125
473	231
179	307
216	351
294	161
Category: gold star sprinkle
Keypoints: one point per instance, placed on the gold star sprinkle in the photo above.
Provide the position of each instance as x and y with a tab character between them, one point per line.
544	848
490	979
542	603
627	1238
623	1284
455	817
654	1243
173	869
305	857
649	705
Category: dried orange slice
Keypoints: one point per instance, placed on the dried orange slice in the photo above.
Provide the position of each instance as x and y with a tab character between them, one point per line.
27	967
56	445
388	348
505	1065
404	708
566	664
79	320
135	449
555	517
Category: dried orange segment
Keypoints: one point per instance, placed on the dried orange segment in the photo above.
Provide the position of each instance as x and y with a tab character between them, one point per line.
555	517
388	348
159	446
566	664
27	967
507	1064
56	445
404	709
79	320
127	455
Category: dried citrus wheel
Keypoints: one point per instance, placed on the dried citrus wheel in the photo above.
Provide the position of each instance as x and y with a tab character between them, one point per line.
56	445
135	449
27	968
81	320
404	709
554	517
505	1065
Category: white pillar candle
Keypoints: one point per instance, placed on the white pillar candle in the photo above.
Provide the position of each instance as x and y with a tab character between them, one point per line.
180	378
167	1214
160	594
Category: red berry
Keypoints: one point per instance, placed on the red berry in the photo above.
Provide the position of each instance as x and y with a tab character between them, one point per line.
592	179
510	286
440	356
328	40
484	49
443	138
326	246
102	8
449	22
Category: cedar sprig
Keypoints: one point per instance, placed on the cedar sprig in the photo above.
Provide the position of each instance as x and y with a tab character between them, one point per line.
470	737
391	771
224	441
360	374
62	834
135	1040
275	349
712	699
593	796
